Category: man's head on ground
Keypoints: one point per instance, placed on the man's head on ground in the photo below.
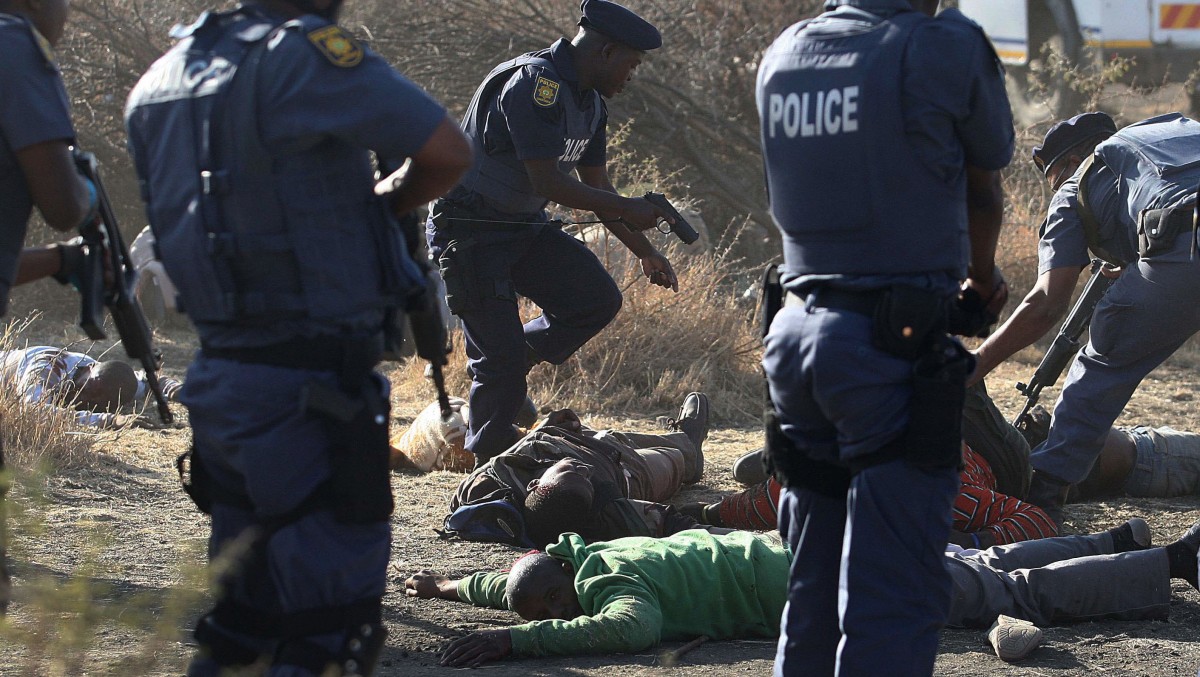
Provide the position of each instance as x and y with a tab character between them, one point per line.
559	501
103	386
610	44
48	16
1068	143
541	588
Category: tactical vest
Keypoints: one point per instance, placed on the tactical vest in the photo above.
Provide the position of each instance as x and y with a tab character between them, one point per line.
847	190
1158	162
246	237
500	180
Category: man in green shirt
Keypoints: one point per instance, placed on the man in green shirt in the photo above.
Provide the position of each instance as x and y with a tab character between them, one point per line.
631	593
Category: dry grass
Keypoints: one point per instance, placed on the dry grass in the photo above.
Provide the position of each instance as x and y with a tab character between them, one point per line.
660	347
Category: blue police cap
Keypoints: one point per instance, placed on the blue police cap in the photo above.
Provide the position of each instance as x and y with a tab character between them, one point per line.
619	23
1068	134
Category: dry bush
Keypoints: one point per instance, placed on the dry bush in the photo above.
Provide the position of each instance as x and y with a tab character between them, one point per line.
660	347
37	437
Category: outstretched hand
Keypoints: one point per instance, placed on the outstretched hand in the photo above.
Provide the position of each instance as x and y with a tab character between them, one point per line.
426	584
477	648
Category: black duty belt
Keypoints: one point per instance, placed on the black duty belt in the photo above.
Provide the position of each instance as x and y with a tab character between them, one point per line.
454	216
322	353
862	302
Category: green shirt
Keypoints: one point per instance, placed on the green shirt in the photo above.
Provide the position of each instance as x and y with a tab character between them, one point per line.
637	592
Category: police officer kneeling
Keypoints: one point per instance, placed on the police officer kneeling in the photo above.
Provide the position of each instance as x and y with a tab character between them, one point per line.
535	121
880	125
251	139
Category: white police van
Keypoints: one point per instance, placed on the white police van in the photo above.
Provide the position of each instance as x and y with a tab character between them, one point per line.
1162	37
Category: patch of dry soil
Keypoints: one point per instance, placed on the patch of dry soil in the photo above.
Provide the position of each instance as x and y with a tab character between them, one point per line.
112	553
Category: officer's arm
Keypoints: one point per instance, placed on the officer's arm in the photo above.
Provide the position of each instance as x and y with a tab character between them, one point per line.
56	188
1040	310
655	266
549	182
597	178
435	168
38	262
985	213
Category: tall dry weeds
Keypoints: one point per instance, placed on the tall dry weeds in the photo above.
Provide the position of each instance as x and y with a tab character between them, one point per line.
660	347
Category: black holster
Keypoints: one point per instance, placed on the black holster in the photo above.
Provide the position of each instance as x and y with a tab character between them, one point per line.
934	435
360	486
794	469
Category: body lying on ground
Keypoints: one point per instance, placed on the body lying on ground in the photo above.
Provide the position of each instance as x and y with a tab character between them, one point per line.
629	594
52	377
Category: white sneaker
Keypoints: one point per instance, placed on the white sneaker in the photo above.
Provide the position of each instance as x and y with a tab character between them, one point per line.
1013	638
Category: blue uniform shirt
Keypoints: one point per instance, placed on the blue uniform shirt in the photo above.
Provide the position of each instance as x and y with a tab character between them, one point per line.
1157	169
538	112
514	123
954	113
308	108
33	109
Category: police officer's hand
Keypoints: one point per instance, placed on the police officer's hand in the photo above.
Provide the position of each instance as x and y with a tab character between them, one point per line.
640	215
658	269
477	648
991	288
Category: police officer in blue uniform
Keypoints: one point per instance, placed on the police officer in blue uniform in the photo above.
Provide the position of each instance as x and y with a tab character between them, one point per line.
883	132
1129	197
36	168
534	121
252	139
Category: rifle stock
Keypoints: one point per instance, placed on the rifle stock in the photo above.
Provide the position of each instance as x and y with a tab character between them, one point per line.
105	252
1066	344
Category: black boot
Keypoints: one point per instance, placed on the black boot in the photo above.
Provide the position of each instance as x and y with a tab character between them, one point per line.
1048	493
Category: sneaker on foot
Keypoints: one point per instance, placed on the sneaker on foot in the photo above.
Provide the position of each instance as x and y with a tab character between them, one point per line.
1012	638
693	422
748	469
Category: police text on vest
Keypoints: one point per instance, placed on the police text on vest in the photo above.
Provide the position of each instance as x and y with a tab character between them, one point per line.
814	114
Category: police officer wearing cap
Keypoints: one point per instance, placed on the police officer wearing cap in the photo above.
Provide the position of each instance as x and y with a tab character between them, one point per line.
536	120
883	132
252	140
36	168
1128	197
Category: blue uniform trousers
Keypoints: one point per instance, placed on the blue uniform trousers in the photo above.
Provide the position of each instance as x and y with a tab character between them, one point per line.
869	591
1146	315
258	443
557	272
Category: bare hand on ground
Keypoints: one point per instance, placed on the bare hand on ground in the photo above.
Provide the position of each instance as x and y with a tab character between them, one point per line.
477	648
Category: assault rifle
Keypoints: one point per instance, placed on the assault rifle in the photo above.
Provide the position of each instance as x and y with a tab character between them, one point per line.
1066	344
106	278
682	229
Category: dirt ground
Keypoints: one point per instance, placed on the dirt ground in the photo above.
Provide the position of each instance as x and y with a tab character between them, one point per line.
108	564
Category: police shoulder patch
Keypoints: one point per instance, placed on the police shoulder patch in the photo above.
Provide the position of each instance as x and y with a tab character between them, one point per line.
545	92
338	46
